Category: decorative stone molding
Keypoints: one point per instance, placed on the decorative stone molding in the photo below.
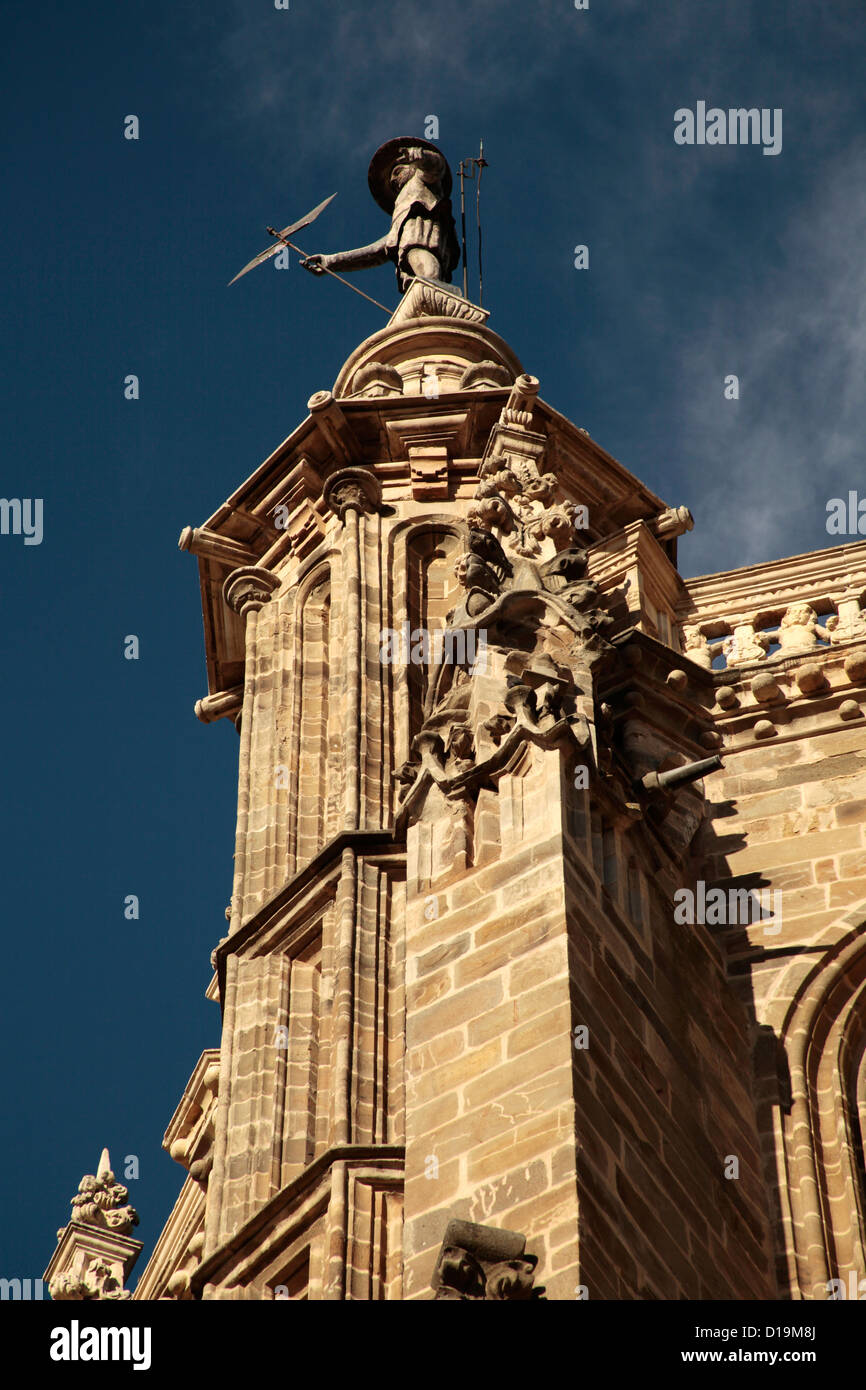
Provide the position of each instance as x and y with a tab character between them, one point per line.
352	488
189	1138
795	605
480	1264
248	589
518	408
435	430
423	299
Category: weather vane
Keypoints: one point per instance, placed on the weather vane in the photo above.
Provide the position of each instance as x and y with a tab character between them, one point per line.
411	181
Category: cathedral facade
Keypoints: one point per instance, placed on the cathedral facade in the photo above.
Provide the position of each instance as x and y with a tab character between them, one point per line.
545	960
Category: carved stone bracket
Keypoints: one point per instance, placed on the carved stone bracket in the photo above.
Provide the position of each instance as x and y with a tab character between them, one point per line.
480	1264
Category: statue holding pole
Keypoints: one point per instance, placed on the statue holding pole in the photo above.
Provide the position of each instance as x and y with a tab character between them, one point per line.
410	179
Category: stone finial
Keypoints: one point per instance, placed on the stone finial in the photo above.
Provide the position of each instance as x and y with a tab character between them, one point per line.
480	1264
94	1251
100	1201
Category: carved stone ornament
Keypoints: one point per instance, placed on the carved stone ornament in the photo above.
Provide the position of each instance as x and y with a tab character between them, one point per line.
100	1201
479	1264
95	1252
98	1283
352	488
377	379
249	588
673	522
529	620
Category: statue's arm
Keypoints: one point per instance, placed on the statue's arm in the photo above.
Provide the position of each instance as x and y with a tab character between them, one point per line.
360	259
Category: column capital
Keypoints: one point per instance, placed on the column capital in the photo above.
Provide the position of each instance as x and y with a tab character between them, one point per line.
352	488
249	588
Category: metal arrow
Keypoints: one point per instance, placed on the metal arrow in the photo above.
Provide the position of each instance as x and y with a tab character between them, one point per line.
282	239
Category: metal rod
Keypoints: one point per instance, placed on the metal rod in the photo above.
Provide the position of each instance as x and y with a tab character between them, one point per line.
482	164
349	286
463	228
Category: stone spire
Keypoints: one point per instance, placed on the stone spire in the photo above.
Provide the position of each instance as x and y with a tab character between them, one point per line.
95	1252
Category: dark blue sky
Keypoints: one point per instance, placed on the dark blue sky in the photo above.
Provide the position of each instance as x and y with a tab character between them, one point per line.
704	261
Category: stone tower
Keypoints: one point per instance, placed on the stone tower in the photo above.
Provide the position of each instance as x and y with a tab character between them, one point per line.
484	1020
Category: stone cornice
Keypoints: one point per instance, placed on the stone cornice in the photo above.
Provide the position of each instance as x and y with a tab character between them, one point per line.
814	574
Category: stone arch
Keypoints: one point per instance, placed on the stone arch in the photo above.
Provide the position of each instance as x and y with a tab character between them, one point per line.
824	1036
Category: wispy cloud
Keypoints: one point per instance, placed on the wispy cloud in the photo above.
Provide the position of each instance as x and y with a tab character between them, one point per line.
768	463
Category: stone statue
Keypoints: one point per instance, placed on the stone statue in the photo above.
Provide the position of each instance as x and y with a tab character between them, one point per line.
799	629
411	180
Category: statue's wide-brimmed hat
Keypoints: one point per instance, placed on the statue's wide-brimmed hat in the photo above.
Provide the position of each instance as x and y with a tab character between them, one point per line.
382	166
